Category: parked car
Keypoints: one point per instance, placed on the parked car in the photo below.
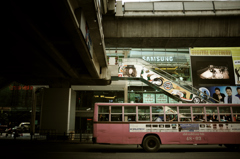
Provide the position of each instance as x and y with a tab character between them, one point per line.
23	127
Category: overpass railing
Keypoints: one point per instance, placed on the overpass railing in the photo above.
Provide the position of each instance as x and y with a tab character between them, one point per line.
173	8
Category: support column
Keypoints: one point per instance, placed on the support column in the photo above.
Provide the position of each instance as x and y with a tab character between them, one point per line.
33	113
58	110
126	93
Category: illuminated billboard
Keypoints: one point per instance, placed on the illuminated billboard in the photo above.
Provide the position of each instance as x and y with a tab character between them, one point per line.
139	71
236	65
212	66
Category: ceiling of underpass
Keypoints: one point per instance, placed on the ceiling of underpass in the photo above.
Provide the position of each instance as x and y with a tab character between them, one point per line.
43	46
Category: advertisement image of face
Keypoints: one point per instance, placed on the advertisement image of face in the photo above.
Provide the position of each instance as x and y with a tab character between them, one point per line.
229	92
130	71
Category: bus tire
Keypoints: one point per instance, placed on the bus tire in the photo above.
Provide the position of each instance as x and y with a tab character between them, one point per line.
151	143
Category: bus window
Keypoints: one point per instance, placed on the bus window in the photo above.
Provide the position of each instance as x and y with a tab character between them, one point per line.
115	117
157	118
225	114
116	113
236	114
198	114
224	110
170	110
143	113
185	114
171	117
116	109
157	113
198	110
198	117
103	109
210	110
103	117
157	109
103	113
212	114
130	113
171	113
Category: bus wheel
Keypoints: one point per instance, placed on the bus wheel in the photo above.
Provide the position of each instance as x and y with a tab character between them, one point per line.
151	143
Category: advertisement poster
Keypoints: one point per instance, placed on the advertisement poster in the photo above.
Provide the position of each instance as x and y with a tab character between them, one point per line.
189	127
212	66
236	65
148	98
139	71
221	93
161	98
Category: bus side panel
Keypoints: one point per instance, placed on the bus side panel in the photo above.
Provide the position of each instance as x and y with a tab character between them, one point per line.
120	134
116	134
169	137
223	137
109	133
209	138
132	137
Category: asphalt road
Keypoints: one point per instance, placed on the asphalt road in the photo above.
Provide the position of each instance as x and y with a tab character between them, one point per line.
58	150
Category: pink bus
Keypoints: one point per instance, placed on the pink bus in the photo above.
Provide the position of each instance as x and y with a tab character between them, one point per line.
150	125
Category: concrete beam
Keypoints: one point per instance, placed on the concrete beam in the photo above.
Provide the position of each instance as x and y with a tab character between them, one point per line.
172	31
91	11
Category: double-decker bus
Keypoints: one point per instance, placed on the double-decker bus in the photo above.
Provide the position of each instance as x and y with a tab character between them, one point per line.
151	125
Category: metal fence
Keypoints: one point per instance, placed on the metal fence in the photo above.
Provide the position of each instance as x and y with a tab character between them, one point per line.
64	136
50	136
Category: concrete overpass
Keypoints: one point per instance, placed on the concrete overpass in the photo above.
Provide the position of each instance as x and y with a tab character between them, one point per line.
47	43
173	24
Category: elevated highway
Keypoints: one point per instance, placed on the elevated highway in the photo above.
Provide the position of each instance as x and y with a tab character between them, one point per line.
54	42
173	24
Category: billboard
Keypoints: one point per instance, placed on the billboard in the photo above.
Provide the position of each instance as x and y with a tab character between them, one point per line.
236	65
221	93
140	71
148	98
212	66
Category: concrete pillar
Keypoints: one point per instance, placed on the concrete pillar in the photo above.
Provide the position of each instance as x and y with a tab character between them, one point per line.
119	11
58	110
126	93
33	113
126	54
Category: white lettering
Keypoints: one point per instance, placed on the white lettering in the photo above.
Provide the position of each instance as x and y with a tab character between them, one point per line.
157	58
152	58
166	58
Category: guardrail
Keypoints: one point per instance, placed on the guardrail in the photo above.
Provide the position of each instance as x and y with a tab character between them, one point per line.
76	137
165	8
